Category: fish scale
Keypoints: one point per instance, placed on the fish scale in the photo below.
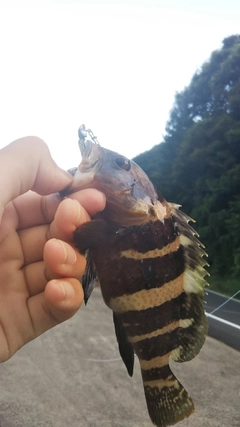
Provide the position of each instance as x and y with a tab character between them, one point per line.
149	263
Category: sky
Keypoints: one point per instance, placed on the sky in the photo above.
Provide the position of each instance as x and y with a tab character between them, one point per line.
113	65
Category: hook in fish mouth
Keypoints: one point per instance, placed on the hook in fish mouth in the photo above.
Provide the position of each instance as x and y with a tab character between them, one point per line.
83	134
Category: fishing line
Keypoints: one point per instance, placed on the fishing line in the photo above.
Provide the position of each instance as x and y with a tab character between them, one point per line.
225	302
104	360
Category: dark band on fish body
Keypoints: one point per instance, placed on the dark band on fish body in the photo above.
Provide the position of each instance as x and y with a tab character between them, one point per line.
163	344
148	236
159	373
160	345
140	322
141	238
133	275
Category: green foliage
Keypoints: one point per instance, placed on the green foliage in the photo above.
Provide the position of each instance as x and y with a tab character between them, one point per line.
198	163
225	285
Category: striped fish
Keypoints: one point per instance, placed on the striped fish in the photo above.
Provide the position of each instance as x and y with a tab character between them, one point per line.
149	263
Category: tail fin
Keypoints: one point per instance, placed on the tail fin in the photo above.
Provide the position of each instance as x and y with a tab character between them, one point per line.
167	400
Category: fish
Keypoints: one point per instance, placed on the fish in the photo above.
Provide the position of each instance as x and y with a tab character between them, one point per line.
150	266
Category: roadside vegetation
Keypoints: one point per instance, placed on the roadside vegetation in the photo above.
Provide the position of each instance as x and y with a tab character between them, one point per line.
198	163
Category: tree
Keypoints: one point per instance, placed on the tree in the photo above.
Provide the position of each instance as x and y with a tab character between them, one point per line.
198	163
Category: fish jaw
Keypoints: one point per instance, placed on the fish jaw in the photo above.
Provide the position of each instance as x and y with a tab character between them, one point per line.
85	175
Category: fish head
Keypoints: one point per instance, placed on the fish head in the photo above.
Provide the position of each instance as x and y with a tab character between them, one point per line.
130	196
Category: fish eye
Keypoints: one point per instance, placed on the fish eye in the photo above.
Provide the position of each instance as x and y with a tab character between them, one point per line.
123	163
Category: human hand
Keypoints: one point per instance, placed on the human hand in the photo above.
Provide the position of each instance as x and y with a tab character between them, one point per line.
39	268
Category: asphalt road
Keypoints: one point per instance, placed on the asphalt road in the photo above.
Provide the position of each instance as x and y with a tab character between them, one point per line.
230	311
73	376
222	320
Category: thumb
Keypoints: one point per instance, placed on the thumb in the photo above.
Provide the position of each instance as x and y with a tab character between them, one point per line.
26	164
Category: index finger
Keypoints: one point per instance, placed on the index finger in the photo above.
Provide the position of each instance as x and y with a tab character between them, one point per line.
74	211
33	209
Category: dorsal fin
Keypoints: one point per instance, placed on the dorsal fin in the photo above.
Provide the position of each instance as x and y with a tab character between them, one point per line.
193	322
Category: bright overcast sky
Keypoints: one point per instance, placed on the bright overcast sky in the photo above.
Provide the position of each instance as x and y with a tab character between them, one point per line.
113	65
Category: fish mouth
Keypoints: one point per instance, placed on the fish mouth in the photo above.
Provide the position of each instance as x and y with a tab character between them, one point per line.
85	174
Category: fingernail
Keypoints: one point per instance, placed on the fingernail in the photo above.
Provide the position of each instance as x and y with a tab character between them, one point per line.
67	289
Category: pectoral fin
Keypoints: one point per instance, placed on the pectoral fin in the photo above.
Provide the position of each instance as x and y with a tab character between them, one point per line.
89	279
88	237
